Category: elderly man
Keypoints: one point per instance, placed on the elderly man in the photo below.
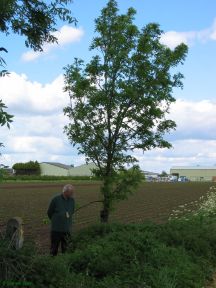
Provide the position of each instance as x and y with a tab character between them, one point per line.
60	212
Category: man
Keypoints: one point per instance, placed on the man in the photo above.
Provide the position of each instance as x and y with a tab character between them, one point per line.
60	212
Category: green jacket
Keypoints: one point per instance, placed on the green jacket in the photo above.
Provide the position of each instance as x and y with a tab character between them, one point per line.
57	212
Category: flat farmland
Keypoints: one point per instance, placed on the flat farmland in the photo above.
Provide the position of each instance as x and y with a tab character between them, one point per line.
152	201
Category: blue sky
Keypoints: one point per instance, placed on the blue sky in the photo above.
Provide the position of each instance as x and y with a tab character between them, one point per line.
33	91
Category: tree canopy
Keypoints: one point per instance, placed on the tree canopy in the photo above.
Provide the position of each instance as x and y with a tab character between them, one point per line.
121	98
28	168
36	20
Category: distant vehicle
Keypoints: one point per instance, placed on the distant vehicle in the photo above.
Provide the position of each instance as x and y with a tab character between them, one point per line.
173	178
183	179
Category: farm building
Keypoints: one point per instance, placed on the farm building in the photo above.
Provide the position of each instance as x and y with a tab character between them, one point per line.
82	170
150	176
58	169
196	173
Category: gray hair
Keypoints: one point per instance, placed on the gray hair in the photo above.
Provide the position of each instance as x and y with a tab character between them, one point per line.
67	187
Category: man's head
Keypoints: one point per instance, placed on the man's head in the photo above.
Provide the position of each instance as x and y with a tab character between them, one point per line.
68	191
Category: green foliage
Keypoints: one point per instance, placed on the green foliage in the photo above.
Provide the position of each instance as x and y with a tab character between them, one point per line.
3	63
120	99
122	182
15	263
28	168
5	118
208	206
163	174
34	19
47	178
177	254
145	253
3	173
196	234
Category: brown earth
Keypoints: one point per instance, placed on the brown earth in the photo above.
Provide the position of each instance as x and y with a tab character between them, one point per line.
153	201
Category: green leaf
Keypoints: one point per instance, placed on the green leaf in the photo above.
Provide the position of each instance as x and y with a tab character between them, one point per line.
120	100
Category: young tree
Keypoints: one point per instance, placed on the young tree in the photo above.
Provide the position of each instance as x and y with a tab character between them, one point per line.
120	99
34	19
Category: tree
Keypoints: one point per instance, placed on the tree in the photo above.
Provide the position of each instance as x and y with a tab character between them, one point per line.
5	118
34	19
120	99
163	174
28	168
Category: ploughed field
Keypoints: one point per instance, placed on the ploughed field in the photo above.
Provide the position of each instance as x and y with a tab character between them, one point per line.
152	201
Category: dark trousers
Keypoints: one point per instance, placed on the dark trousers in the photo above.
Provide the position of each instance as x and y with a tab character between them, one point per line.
56	239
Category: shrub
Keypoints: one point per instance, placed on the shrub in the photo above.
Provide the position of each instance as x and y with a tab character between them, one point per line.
15	263
136	254
28	168
179	253
46	178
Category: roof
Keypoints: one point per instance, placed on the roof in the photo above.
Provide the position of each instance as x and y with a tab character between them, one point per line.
83	166
193	168
150	173
84	169
60	165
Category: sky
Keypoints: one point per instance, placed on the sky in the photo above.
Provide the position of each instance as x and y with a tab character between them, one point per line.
34	93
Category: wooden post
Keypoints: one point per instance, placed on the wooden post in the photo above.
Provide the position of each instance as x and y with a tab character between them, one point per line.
14	232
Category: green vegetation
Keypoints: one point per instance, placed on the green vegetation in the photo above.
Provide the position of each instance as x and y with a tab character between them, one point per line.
121	98
177	254
38	178
5	118
28	168
36	21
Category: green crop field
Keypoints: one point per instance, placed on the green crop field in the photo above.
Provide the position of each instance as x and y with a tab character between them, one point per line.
152	201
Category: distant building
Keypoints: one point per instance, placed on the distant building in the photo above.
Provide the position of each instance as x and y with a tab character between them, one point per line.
150	176
196	173
82	170
59	169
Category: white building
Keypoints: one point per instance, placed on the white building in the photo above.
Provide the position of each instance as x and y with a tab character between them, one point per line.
196	173
59	169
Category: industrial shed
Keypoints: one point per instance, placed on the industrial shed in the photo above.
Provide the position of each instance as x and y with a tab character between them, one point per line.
82	170
196	173
54	169
59	169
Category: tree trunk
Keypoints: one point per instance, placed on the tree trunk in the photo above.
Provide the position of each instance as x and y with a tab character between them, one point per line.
106	191
104	216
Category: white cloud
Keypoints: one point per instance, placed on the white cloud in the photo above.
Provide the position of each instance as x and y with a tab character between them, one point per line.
31	55
213	31
187	152
37	130
174	38
25	97
194	120
32	144
65	35
194	141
